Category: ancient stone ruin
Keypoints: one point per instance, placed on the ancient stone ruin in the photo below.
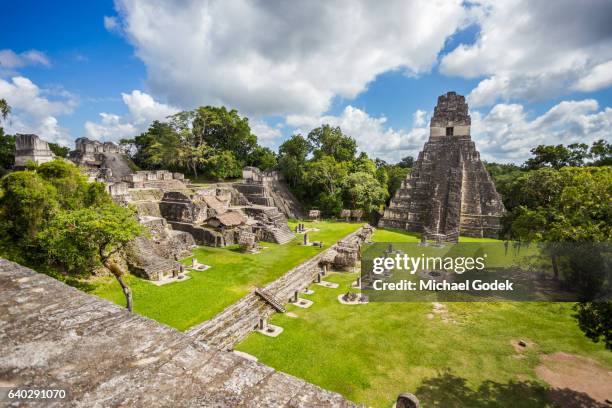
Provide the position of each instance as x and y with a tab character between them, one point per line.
179	215
268	189
449	191
31	148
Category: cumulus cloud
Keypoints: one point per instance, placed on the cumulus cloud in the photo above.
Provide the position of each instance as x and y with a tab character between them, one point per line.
277	58
265	133
507	134
143	109
372	134
35	110
534	50
11	60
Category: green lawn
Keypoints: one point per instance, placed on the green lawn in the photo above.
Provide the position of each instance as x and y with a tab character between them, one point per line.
371	353
233	275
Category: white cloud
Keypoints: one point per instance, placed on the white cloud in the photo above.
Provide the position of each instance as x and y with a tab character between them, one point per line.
372	134
534	50
33	110
109	128
600	77
11	60
265	133
143	110
277	58
111	24
506	133
419	119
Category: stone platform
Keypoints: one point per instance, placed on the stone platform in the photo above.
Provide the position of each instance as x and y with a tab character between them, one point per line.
55	336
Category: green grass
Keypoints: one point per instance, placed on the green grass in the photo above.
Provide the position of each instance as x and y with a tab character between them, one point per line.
371	353
233	274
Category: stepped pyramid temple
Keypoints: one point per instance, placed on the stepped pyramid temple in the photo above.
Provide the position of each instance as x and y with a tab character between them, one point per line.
449	191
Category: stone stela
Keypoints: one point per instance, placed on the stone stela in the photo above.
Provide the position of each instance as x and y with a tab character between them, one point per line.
449	191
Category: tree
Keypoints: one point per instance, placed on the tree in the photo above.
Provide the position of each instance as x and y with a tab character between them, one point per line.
59	151
595	320
558	156
407	162
601	152
569	210
82	239
26	202
263	158
330	141
365	192
292	158
224	165
395	176
224	129
5	109
7	151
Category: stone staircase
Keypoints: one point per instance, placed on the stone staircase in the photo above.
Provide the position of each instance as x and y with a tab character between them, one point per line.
282	235
273	301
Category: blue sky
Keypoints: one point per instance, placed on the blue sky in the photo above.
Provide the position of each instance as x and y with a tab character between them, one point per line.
374	72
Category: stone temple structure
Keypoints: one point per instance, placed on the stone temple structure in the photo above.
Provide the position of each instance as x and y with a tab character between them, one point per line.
449	191
31	148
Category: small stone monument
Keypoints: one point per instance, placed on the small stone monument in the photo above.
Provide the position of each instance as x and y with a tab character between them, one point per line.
346	214
247	242
407	400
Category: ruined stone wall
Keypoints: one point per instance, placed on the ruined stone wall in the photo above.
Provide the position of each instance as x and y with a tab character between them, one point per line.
31	148
57	337
238	320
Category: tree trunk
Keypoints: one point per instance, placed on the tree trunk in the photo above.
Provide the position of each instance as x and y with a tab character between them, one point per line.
555	265
117	273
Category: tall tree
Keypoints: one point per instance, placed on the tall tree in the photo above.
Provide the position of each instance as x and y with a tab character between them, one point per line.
5	109
330	141
88	237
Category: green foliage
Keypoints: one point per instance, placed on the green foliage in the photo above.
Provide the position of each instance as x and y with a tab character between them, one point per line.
84	239
224	130
292	158
330	141
223	165
5	109
595	320
570	204
365	192
51	215
7	151
407	162
59	151
575	155
263	158
26	202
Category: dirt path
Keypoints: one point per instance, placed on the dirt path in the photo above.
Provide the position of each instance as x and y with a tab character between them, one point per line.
576	381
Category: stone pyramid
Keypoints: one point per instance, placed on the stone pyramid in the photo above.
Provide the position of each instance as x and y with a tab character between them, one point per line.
449	191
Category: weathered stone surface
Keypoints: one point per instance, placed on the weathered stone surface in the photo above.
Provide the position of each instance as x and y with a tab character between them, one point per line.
31	148
268	188
54	336
449	191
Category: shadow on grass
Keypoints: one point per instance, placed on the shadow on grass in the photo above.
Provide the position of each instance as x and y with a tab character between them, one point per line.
449	391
